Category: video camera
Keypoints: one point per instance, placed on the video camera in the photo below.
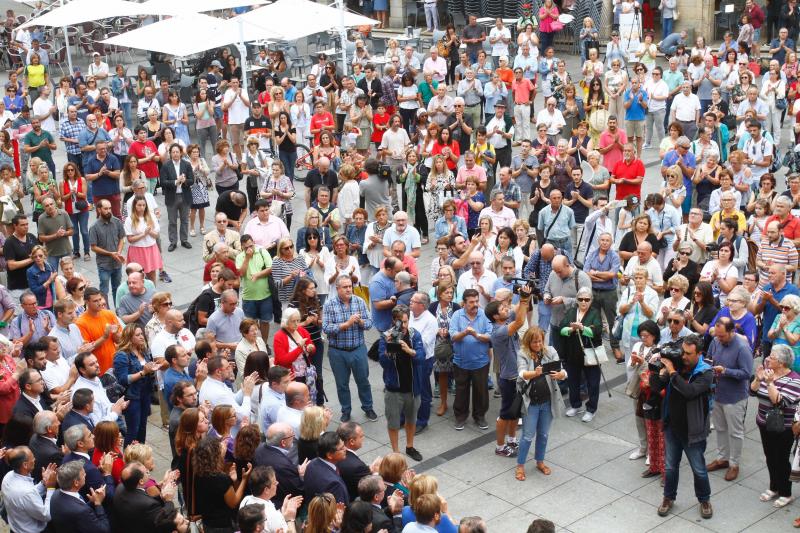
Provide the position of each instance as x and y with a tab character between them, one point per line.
536	294
673	351
385	172
394	336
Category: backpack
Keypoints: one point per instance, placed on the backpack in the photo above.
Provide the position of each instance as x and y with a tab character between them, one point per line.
190	315
752	251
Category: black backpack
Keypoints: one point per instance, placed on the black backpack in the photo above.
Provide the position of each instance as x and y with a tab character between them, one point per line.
190	315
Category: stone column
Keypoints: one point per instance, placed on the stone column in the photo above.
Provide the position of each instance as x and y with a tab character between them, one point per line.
396	13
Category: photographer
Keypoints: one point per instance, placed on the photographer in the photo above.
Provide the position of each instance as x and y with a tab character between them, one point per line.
402	355
733	364
505	343
686	421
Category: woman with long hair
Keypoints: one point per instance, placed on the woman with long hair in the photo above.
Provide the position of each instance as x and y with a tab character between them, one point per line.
142	230
223	420
41	277
323	514
277	104
615	81
313	220
135	370
441	184
313	423
130	172
443	309
192	426
205	125
317	257
349	196
449	148
287	268
674	191
721	272
108	439
121	136
374	238
174	114
255	173
279	188
199	189
244	449
327	148
258	362
306	300
286	139
217	493
548	14
543	401
300	118
412	184
360	117
76	205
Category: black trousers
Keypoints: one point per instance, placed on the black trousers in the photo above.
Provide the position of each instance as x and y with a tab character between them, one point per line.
476	384
777	447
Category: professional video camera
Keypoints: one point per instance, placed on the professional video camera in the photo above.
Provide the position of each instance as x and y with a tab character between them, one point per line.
394	336
385	172
673	351
536	294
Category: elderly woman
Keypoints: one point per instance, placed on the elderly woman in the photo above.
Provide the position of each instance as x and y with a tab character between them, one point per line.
9	373
342	263
785	329
736	309
582	328
541	399
373	238
225	166
251	342
449	223
313	219
676	299
637	388
636	304
294	349
306	300
721	272
776	385
681	264
287	268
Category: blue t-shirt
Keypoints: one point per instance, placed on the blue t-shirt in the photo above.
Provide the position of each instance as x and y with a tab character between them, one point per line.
472	222
469	353
770	311
104	185
506	348
88	138
381	288
636	111
83	111
171	378
445	525
671	157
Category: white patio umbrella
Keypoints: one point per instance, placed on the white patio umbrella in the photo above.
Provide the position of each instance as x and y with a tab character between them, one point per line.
79	11
160	7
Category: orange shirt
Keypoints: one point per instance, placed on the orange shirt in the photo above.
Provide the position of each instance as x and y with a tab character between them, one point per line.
92	328
506	75
522	90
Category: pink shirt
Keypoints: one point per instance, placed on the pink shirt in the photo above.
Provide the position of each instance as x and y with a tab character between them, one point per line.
612	156
477	171
266	234
522	90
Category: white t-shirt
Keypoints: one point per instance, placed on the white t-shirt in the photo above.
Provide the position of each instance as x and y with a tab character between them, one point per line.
141	227
273	519
756	150
237	112
42	107
102	68
395	142
685	107
656	88
500	48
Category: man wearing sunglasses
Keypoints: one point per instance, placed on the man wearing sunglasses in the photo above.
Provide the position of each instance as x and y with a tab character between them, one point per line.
676	327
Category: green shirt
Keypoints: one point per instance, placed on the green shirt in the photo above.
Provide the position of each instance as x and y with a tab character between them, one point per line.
259	289
44	153
426	91
673	79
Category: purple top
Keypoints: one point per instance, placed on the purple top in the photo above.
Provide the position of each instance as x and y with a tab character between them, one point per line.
789	388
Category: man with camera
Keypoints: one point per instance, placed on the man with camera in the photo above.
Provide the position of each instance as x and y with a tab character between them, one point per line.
732	362
401	353
676	327
688	382
505	343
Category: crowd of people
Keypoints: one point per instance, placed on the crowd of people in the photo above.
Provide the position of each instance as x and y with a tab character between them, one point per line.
544	251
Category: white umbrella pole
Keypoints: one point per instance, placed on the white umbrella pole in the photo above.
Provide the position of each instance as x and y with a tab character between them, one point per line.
342	36
243	53
66	44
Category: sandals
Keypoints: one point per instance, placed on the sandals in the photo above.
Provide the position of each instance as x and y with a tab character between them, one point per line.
783	501
543	468
767	495
796	522
520	475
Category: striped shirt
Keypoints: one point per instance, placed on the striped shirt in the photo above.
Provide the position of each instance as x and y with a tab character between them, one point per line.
71	130
789	388
783	252
336	312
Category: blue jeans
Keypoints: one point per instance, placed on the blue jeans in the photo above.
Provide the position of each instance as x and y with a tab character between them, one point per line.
126	112
114	276
666	25
426	395
536	423
288	158
54	261
694	453
136	418
544	313
80	225
342	364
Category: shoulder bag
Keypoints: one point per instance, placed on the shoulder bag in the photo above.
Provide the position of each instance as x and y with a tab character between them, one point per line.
552	223
593	356
518	403
773	419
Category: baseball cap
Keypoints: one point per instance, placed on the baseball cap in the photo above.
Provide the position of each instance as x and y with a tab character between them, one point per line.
500	103
503	58
95	54
216	63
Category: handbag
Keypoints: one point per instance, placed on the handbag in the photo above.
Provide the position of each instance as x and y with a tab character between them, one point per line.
781	103
9	210
237	169
443	350
556	25
594	356
195	520
773	419
616	329
518	402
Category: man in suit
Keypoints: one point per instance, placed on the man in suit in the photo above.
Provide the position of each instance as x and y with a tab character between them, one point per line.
275	453
80	442
31	401
352	468
322	474
134	510
69	513
176	179
43	444
372	489
81	413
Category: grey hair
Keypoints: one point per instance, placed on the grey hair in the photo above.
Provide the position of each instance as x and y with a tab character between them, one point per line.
789	300
496	192
26	294
784	354
43	421
584	291
73	435
683	140
290	313
403	278
219	247
274	439
341	278
228	294
740	293
138	183
68	473
426	300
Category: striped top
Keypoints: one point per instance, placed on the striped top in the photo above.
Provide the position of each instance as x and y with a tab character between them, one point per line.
782	253
789	388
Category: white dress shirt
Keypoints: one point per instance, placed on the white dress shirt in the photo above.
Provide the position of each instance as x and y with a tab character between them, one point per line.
55	373
27	504
217	393
428	326
102	405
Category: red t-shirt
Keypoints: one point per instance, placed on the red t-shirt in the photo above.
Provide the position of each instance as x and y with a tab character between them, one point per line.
321	119
628	172
379	119
142	150
790	227
207	270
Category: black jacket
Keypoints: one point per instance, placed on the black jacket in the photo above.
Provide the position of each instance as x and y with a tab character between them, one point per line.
353	469
168	179
289	480
573	353
692	396
320	478
71	515
45	452
134	511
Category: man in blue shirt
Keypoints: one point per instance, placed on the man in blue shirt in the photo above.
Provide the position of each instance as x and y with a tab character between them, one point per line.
382	293
781	46
102	171
682	156
82	100
635	103
470	330
768	301
602	266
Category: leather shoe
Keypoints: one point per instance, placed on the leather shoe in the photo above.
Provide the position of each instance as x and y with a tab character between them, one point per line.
717	464
649	473
420	429
706	511
172	247
732	473
372	416
187	245
345	417
666	505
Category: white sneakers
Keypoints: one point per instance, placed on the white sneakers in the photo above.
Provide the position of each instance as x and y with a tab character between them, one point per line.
636	454
571	411
587	417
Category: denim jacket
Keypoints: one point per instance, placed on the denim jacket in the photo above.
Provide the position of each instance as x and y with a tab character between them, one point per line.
125	364
391	377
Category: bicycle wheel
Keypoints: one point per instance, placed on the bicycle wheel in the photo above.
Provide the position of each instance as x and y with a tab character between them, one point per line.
304	162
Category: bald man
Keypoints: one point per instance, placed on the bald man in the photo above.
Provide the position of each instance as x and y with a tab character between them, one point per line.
644	258
321	175
297	399
134	510
275	453
559	293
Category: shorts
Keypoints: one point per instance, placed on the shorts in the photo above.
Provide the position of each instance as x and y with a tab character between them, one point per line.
508	389
398	403
236	131
217	113
258	309
634	128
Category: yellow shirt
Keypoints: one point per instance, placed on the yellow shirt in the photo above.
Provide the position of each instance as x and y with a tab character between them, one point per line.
35	75
715	222
479	150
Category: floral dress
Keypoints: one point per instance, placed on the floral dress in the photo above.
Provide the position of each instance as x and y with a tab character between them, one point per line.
438	187
202	181
443	317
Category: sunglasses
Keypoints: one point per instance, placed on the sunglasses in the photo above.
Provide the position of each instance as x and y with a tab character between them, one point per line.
674	289
288	247
785	308
82	288
476	262
675	320
168	304
584	299
685	253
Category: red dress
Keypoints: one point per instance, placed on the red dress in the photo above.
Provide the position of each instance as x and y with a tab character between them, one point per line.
379	119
